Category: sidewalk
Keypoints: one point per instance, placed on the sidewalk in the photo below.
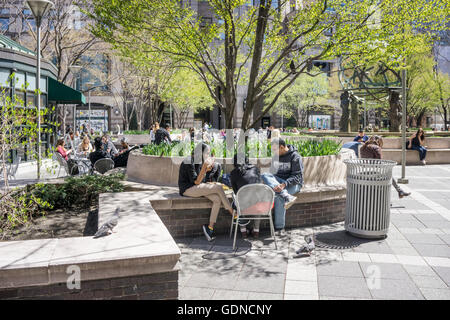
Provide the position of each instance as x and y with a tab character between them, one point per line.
412	263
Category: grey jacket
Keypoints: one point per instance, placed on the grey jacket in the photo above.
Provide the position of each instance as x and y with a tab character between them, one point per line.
288	167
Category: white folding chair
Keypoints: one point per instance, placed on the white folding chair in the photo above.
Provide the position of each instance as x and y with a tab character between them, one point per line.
254	202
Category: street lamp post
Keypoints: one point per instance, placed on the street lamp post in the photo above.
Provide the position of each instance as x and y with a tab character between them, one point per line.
90	87
39	9
403	178
75	69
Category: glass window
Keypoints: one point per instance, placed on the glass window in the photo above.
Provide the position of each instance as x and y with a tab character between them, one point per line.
4	24
4	11
31	80
30	100
27	12
20	80
20	98
43	100
26	22
4	78
43	84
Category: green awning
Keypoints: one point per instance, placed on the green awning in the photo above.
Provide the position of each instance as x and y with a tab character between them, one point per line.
60	93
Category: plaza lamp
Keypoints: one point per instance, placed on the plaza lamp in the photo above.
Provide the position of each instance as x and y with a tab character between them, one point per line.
39	8
75	69
90	86
403	178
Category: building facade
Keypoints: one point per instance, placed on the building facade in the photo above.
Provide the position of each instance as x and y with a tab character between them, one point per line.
17	23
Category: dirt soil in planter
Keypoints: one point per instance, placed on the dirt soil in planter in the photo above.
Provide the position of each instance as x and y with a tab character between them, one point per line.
61	223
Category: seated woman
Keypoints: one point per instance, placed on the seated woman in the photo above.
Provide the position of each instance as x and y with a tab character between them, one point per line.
243	174
372	150
85	148
416	142
191	182
72	165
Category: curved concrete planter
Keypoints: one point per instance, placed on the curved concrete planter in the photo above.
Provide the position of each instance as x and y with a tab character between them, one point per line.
388	143
318	171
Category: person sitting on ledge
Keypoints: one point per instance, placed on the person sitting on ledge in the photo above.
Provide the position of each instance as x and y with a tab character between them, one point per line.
243	174
372	150
361	137
192	183
416	142
286	178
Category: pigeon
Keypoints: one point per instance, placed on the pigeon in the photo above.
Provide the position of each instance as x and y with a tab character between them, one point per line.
308	248
107	227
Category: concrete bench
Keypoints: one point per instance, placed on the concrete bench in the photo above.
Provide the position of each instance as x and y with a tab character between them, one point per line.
434	156
184	216
138	261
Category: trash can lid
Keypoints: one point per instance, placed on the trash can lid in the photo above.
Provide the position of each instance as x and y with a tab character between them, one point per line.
370	162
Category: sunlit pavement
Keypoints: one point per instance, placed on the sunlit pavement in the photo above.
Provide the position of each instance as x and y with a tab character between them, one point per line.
413	262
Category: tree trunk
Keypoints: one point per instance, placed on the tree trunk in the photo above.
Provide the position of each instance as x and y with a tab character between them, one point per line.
354	115
394	109
253	88
419	119
343	123
445	118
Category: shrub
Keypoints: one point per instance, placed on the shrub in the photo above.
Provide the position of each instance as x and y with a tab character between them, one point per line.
81	190
306	148
19	206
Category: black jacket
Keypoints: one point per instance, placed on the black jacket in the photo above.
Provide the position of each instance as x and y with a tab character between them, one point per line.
162	135
97	155
189	172
247	174
289	167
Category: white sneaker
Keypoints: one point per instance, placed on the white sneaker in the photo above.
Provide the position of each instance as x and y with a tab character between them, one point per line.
290	200
424	162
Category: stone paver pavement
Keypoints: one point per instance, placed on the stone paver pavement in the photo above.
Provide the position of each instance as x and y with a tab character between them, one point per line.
413	262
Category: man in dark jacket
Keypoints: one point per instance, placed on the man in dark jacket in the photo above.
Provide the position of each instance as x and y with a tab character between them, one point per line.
285	178
163	135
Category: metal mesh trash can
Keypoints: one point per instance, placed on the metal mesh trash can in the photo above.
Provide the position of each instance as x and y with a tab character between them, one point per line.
368	197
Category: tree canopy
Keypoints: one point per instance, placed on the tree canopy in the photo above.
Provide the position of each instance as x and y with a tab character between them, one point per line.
262	49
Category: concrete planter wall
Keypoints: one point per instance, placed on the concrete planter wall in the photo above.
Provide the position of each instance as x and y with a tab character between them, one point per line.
388	143
318	171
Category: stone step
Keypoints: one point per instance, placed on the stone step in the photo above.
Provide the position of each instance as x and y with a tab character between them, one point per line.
434	156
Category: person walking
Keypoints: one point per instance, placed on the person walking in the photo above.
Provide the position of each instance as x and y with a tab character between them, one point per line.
372	149
285	178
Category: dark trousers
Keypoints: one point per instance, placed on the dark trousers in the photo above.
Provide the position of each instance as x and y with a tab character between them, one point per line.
422	151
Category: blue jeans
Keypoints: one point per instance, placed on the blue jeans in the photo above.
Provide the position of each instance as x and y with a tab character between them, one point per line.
280	213
422	151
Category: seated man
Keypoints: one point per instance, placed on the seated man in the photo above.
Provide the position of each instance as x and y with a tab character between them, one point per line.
99	152
286	178
361	137
108	146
